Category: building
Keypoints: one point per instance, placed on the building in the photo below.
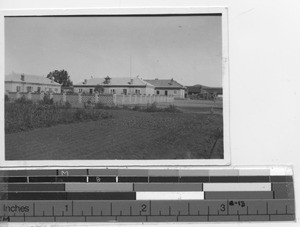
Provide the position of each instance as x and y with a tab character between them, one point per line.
203	92
168	87
117	86
30	83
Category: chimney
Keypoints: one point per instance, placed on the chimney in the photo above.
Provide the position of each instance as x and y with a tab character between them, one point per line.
107	80
85	81
22	77
131	81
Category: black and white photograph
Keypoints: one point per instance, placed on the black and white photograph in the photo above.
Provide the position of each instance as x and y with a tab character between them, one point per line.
115	87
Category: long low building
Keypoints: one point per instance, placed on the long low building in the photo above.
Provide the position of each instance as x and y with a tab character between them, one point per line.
107	85
30	83
168	87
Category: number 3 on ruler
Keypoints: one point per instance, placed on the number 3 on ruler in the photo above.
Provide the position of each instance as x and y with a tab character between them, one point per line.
222	207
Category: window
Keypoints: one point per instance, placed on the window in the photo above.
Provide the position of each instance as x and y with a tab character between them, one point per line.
125	91
138	92
18	88
91	91
80	90
175	92
112	91
166	92
29	89
38	89
157	92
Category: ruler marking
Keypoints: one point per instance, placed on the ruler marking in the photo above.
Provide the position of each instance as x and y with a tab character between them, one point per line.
286	209
207	213
53	210
150	207
267	208
227	207
72	206
111	209
33	208
188	208
130	210
92	210
169	210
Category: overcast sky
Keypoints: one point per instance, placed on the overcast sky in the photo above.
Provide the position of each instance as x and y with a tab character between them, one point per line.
186	48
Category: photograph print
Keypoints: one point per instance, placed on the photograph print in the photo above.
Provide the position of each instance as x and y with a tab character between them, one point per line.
114	87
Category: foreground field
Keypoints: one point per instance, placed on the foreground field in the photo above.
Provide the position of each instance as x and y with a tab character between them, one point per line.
127	135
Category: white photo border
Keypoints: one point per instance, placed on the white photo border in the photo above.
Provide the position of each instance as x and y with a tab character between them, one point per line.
131	12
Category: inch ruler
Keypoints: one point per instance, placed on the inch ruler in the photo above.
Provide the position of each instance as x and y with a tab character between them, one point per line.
139	195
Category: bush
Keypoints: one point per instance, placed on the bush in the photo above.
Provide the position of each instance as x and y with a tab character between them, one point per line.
152	108
136	108
23	100
68	105
171	109
100	105
21	117
46	100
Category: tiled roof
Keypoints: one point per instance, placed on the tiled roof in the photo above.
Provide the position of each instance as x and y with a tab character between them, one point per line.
194	89
165	83
29	79
117	81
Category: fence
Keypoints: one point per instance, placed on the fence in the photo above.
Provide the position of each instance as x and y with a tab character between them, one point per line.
107	99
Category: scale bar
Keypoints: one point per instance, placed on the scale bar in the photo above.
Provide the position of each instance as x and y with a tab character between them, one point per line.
169	195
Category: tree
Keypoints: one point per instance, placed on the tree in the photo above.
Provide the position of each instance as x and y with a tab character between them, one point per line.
61	77
99	88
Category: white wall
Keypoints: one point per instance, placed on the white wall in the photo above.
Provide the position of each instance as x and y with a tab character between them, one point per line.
178	93
12	87
264	61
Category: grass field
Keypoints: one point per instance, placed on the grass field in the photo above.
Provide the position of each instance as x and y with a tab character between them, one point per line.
127	135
